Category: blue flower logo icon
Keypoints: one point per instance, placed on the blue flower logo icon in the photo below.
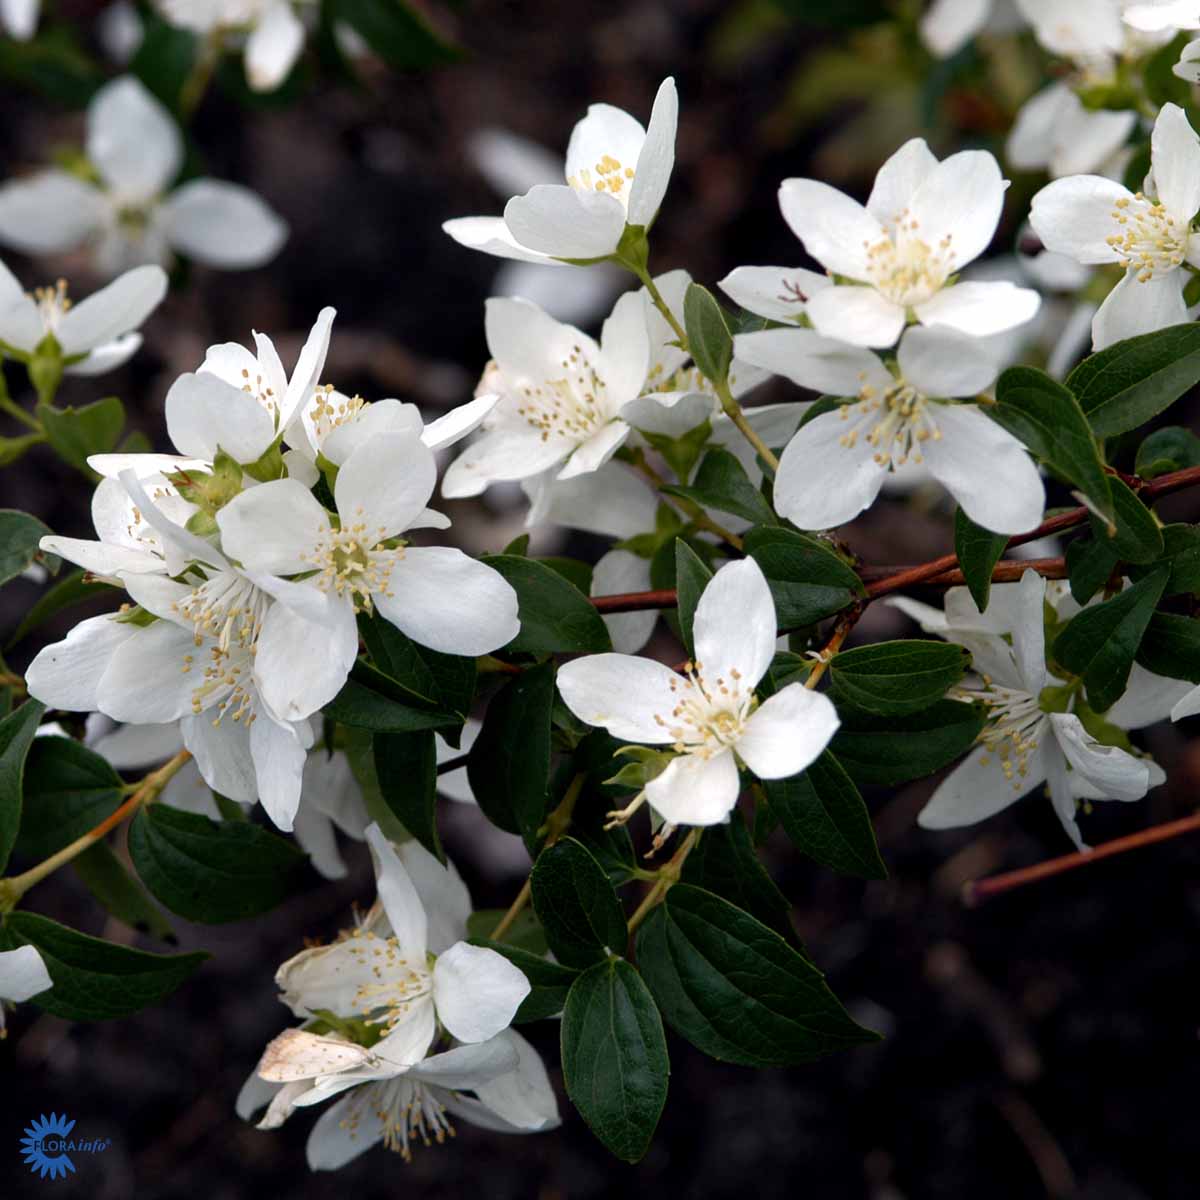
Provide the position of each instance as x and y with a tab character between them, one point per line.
42	1146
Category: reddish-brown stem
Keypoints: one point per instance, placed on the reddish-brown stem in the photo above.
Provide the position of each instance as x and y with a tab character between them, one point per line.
981	889
635	601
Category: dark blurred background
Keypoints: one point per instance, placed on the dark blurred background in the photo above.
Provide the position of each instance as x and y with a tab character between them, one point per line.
1041	1045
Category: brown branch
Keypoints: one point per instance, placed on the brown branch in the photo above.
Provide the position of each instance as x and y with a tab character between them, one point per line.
635	601
981	889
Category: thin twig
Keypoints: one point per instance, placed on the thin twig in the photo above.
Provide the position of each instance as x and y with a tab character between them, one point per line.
980	889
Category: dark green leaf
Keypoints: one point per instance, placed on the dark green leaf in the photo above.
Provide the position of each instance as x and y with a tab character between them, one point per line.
1165	450
19	537
93	979
691	578
549	981
364	703
1124	385
445	682
77	432
164	60
69	789
1171	647
1046	417
978	551
212	871
509	764
808	580
708	334
105	876
1090	564
1137	538
722	483
556	617
893	750
823	814
576	904
1100	643
575	572
525	932
71	589
893	678
614	1057
401	37
1181	552
735	989
54	64
724	862
16	736
406	767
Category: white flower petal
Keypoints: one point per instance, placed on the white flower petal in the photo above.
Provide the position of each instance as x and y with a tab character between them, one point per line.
492	236
822	364
606	131
385	484
617	572
223	225
273	527
301	665
114	310
898	179
657	157
1147	699
476	991
273	46
734	625
977	789
1135	306
695	790
278	756
19	18
788	733
405	912
510	453
145	680
944	363
381	417
985	469
948	25
835	229
822	483
1113	772
67	674
456	424
780	293
23	974
1175	153
462	1067
443	599
132	140
593	453
628	696
958	204
222	754
624	350
443	894
205	414
562	222
107	357
1074	217
523	1097
529	345
344	1131
980	309
310	364
48	213
859	315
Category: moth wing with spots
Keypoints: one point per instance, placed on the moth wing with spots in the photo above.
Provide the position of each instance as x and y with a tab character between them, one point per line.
296	1054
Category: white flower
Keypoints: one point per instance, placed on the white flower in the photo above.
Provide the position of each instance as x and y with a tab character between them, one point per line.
130	215
1188	66
94	336
1158	16
18	18
611	501
1095	220
836	464
1056	133
381	972
948	25
436	595
560	394
617	174
23	975
1023	744
710	715
779	293
274	29
924	221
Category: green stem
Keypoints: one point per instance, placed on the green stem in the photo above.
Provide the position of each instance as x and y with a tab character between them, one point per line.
14	410
668	876
733	410
663	307
12	889
201	75
689	508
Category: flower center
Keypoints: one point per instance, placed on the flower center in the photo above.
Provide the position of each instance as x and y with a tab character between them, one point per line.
895	422
330	409
905	268
348	563
1015	726
52	304
227	608
573	407
406	1109
226	683
1149	240
394	982
708	716
607	174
